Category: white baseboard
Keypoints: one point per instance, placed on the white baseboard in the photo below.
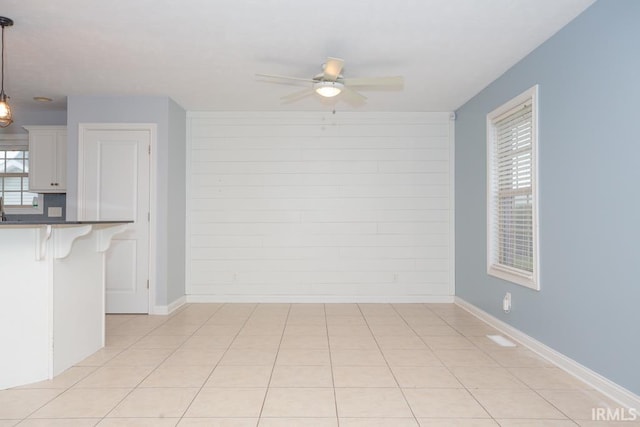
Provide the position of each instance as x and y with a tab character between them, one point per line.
168	309
319	299
607	387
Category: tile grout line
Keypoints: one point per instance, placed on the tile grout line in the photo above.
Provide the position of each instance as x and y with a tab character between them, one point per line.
469	390
221	357
556	407
67	389
387	362
333	382
448	368
214	367
273	367
159	364
404	315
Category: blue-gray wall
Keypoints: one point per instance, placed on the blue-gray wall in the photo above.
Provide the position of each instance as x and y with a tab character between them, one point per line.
24	117
588	307
53	200
177	201
170	119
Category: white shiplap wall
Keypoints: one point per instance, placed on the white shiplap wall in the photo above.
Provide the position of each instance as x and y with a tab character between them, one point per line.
320	207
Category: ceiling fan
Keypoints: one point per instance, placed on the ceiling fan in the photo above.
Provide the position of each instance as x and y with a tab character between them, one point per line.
331	83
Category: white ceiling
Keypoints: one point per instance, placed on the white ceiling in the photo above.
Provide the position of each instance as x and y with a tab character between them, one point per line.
204	53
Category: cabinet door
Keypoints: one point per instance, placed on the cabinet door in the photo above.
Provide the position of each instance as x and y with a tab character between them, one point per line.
61	161
42	161
47	161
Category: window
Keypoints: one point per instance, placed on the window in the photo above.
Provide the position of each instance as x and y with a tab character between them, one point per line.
512	229
14	175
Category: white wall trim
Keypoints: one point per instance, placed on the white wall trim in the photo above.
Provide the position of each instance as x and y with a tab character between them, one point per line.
452	204
187	214
595	380
318	299
166	310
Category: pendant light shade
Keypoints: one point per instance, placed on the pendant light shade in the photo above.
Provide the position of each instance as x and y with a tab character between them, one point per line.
6	117
5	110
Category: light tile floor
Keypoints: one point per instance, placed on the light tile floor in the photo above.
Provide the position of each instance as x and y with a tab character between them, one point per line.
312	365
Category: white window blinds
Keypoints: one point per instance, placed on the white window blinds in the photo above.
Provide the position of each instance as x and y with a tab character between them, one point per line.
14	177
512	234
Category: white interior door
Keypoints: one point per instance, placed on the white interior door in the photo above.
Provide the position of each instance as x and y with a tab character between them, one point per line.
113	184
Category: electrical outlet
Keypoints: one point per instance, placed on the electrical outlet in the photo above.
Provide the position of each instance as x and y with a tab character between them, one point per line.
54	212
506	302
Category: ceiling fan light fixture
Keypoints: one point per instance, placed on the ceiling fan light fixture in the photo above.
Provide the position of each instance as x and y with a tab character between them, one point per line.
5	110
328	89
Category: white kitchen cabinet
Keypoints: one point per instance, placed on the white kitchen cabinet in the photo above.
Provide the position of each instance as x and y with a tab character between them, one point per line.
47	159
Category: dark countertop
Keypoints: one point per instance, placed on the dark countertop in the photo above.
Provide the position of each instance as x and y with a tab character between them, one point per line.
51	222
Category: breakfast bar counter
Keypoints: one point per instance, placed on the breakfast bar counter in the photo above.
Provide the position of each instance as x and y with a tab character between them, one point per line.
51	296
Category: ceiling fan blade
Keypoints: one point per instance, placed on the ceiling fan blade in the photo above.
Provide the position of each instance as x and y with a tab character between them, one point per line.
275	76
352	97
296	96
375	81
332	69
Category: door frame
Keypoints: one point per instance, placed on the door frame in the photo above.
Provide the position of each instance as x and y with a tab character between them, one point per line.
152	128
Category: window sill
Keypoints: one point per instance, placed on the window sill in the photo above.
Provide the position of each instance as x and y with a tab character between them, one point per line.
38	210
514	276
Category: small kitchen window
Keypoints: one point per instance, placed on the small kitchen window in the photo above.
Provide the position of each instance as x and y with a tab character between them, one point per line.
512	229
14	176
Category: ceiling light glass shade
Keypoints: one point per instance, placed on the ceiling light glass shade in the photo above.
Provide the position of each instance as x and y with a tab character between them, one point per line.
328	89
5	112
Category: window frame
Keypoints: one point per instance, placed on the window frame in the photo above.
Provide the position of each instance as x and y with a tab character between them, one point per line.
529	279
19	142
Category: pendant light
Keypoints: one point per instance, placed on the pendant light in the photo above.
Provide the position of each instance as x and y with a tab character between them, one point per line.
5	110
